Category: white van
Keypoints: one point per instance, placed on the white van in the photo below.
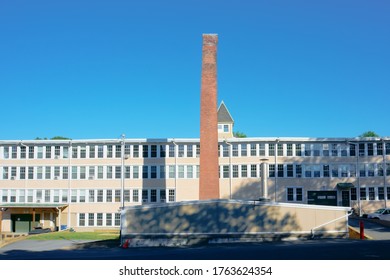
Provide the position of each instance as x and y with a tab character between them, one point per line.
381	214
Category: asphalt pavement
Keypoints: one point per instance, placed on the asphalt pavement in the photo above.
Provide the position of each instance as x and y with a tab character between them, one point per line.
372	229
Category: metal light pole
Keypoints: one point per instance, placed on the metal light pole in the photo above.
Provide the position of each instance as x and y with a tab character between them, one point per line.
123	171
357	175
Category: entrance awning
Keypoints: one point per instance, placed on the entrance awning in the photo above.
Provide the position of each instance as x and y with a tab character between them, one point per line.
344	185
33	205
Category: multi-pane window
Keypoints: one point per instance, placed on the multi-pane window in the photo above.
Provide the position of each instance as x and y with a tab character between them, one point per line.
298	171
171	151
225	150
83	172
135	172
30	195
48	172
31	152
83	151
74	152
127	172
253	150
145	171
109	195
370	149
289	150
363	194
91	219
153	172
371	193
353	194
271	170
198	150
99	195
244	151
153	195
40	152
100	172
74	172
325	170
117	219
56	196
226	171
235	171
22	173
171	195
109	172
57	170
352	150
362	149
136	151
118	151
335	170
5	172
181	151
181	171
47	196
290	170
190	171
190	150
118	172
99	219
163	196
91	172
172	172
162	171
335	150
6	152
118	196
253	170
145	151
65	152
127	150
82	196
235	150
294	194
244	171
4	196
280	170
82	219
92	151
39	172
91	196
280	149
153	151
22	196
108	219
100	151
298	150
22	152
109	151
162	151
30	172
126	195
73	197
145	196
64	195
135	196
271	149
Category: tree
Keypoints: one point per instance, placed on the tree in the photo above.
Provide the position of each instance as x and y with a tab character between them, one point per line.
239	134
369	134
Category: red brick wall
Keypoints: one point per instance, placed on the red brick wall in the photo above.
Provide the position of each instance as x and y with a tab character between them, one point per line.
209	177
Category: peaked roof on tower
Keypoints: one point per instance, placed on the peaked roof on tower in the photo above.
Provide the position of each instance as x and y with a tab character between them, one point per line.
223	114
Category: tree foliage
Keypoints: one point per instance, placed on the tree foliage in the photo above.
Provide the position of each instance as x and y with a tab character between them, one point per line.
369	134
239	134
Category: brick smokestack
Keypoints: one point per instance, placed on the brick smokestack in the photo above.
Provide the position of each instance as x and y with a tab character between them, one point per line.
209	177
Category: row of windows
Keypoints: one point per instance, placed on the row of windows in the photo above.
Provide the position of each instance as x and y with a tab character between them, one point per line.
99	172
192	171
99	219
193	150
87	195
295	194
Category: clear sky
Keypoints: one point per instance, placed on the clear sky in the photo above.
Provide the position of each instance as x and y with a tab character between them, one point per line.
98	69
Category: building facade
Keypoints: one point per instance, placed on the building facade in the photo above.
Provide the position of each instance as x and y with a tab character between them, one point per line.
82	184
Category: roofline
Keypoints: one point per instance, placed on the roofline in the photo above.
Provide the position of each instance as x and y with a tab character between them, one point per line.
226	110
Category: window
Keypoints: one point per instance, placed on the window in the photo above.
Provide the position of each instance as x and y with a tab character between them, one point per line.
47	196
30	172
290	170
83	174
108	219
294	194
30	196
362	170
100	172
91	196
39	172
226	171
118	196
5	172
235	171
244	171
127	172
92	151
271	170
280	149
126	195
30	152
99	219
225	150
198	150
289	150
145	172
82	219
83	151
22	196
335	170
163	196
172	171
253	170
153	172
22	173
253	150
73	197
100	151
153	151
298	150
108	195
363	194
135	196
225	128
99	195
22	152
109	151
56	196
370	149
91	172
344	150
118	151
145	196
271	149
65	152
74	172
91	219
371	193
298	171
308	171
118	172
171	194
235	150
48	172
190	171
4	196
117	219
109	172
325	170
135	172
40	152
335	150
352	150
162	151
145	151
280	170
136	151
162	171
244	151
57	170
153	195
74	152
13	196
127	151
190	151
6	152
353	194
362	149
371	169
381	193
82	196
181	151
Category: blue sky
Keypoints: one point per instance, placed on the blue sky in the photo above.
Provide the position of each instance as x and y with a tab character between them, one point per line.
98	69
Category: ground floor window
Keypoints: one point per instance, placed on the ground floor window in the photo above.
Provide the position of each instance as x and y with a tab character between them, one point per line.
294	194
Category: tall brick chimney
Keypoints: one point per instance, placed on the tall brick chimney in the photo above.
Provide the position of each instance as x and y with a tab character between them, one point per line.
209	177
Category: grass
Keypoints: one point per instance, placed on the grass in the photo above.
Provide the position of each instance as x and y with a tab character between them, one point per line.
75	236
